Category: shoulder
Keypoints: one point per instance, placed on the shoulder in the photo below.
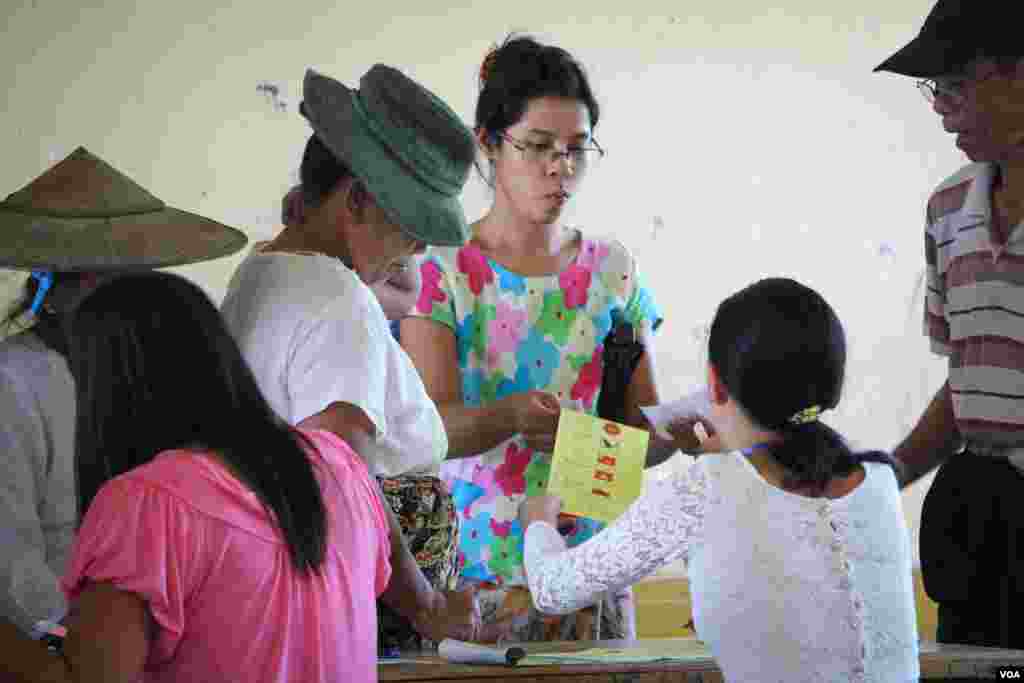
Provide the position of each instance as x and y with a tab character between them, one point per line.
24	348
334	450
605	254
445	256
950	195
170	472
717	465
183	484
311	283
880	478
709	469
27	363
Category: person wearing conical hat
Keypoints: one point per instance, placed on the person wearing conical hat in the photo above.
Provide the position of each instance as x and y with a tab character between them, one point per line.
77	224
381	177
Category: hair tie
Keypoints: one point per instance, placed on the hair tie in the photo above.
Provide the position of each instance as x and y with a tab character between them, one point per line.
487	68
806	415
45	280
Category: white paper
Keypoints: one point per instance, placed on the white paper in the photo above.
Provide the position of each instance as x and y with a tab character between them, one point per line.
471	653
696	404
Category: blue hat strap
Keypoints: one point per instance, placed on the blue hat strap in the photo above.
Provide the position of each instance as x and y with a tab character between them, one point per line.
45	280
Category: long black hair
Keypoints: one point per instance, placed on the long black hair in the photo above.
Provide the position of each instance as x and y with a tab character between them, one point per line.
780	349
156	369
521	70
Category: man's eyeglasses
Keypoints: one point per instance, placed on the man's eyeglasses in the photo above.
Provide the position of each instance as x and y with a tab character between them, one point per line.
953	89
546	152
950	89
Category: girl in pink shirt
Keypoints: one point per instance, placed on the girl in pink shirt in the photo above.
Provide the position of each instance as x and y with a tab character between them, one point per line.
216	542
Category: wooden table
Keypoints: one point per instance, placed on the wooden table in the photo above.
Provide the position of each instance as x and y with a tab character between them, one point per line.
937	662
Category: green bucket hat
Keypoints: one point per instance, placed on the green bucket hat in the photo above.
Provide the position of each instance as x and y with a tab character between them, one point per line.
407	146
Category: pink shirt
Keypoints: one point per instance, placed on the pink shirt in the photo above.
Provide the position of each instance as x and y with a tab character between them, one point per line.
199	548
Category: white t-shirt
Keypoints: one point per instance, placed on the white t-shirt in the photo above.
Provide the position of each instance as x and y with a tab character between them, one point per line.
785	587
314	334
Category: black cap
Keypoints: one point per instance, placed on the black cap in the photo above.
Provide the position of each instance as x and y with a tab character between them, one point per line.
956	32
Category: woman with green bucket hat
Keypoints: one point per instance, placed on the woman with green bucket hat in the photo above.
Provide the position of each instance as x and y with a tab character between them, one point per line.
381	177
77	224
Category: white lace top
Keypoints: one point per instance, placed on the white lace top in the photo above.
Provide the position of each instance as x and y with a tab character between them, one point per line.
784	587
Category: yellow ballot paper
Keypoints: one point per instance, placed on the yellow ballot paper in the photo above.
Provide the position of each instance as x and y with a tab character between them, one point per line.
597	468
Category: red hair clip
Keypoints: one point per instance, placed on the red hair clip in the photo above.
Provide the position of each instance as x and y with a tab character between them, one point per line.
487	68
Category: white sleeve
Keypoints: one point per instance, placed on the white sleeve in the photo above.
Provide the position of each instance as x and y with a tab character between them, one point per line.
29	589
658	528
416	441
340	356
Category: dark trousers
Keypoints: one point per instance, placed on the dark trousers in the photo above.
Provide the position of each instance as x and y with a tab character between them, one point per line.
972	551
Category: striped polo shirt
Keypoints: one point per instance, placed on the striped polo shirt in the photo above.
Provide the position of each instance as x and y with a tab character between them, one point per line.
974	312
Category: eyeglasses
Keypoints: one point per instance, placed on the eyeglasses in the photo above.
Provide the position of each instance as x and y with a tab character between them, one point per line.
546	152
950	89
953	89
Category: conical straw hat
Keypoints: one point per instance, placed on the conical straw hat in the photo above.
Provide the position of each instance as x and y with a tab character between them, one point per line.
84	215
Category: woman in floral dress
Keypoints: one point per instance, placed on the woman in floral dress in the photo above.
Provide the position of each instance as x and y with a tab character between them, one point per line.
510	328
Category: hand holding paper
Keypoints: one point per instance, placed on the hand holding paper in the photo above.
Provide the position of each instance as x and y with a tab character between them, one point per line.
543	508
696	404
535	416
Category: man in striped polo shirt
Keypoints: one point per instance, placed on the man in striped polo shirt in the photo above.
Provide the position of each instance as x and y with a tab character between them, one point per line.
972	525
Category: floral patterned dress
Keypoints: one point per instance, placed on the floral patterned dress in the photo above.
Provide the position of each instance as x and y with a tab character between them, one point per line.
515	334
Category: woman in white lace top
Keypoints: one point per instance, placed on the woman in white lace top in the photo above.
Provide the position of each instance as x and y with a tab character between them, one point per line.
797	549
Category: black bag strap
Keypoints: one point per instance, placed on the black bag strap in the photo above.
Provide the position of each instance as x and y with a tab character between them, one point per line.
622	351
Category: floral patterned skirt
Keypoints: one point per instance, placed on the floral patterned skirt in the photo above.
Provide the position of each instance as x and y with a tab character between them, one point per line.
426	513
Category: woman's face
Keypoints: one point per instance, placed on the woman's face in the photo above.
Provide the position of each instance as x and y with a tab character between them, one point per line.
535	174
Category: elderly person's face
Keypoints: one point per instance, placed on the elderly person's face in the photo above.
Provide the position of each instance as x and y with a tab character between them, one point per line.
984	108
387	251
373	246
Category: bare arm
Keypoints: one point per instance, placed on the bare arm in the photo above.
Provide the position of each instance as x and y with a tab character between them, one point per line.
933	439
471	430
109	641
436	615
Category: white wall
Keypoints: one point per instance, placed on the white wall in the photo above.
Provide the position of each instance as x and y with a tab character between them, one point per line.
743	141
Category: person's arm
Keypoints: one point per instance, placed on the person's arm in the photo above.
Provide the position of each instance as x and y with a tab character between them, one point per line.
408	592
26	660
29	589
933	439
643	391
109	642
658	528
115	596
347	357
434	614
474	430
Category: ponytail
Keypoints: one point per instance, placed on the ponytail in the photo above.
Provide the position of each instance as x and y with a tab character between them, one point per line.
780	351
813	453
